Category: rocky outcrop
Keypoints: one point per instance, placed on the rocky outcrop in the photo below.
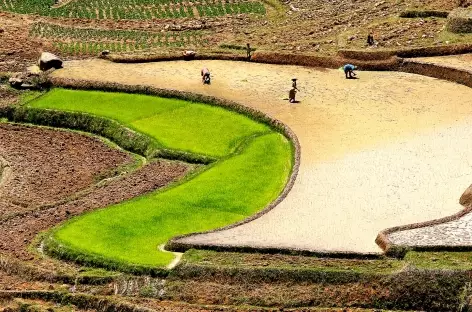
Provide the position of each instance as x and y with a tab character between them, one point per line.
29	80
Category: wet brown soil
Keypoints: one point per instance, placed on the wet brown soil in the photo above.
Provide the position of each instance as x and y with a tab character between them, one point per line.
7	96
45	165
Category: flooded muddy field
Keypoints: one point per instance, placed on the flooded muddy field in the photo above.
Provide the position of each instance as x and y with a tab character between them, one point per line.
383	150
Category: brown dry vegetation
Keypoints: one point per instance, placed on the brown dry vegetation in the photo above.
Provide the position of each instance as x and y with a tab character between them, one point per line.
298	26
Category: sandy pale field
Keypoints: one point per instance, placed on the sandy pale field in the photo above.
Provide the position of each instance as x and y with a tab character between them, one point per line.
383	150
463	61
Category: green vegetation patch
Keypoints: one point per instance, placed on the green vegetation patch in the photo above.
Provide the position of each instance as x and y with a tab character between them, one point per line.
252	171
440	260
176	124
200	128
119	106
226	193
133	9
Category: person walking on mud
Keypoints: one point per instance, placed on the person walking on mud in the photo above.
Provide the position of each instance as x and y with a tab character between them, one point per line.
248	52
293	91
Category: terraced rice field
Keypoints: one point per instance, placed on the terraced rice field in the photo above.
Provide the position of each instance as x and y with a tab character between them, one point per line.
140	10
83	41
379	151
253	165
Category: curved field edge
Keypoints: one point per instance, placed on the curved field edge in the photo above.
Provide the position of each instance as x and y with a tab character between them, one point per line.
233	106
456	75
112	130
136	162
174	124
131	231
187	207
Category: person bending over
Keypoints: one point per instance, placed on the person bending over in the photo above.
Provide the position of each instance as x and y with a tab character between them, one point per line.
349	71
205	75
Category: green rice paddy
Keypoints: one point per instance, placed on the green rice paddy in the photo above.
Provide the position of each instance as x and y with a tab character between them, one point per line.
253	167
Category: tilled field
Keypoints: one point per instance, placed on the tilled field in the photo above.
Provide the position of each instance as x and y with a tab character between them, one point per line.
48	176
48	165
20	230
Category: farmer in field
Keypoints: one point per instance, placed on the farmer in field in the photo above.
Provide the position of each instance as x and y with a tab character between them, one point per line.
293	91
205	75
349	71
370	39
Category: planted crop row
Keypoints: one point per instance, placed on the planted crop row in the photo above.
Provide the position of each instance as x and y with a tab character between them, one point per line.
92	48
91	41
42	7
221	9
46	30
83	10
134	9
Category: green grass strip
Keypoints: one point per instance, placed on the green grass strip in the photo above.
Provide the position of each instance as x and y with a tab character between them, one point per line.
256	164
176	124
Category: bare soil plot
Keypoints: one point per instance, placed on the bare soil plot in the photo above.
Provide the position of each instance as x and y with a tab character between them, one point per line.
49	176
18	232
368	146
48	165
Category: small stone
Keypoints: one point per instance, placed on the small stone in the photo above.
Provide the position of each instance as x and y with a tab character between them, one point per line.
26	85
15	82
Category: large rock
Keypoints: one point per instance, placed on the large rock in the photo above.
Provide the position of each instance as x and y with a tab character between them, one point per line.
460	21
49	60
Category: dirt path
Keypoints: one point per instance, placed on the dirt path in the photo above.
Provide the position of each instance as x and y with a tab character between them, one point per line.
384	150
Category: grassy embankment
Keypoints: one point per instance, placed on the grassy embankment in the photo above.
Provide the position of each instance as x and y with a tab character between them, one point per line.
253	166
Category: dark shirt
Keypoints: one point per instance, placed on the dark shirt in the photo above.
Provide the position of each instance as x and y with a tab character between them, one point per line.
348	67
